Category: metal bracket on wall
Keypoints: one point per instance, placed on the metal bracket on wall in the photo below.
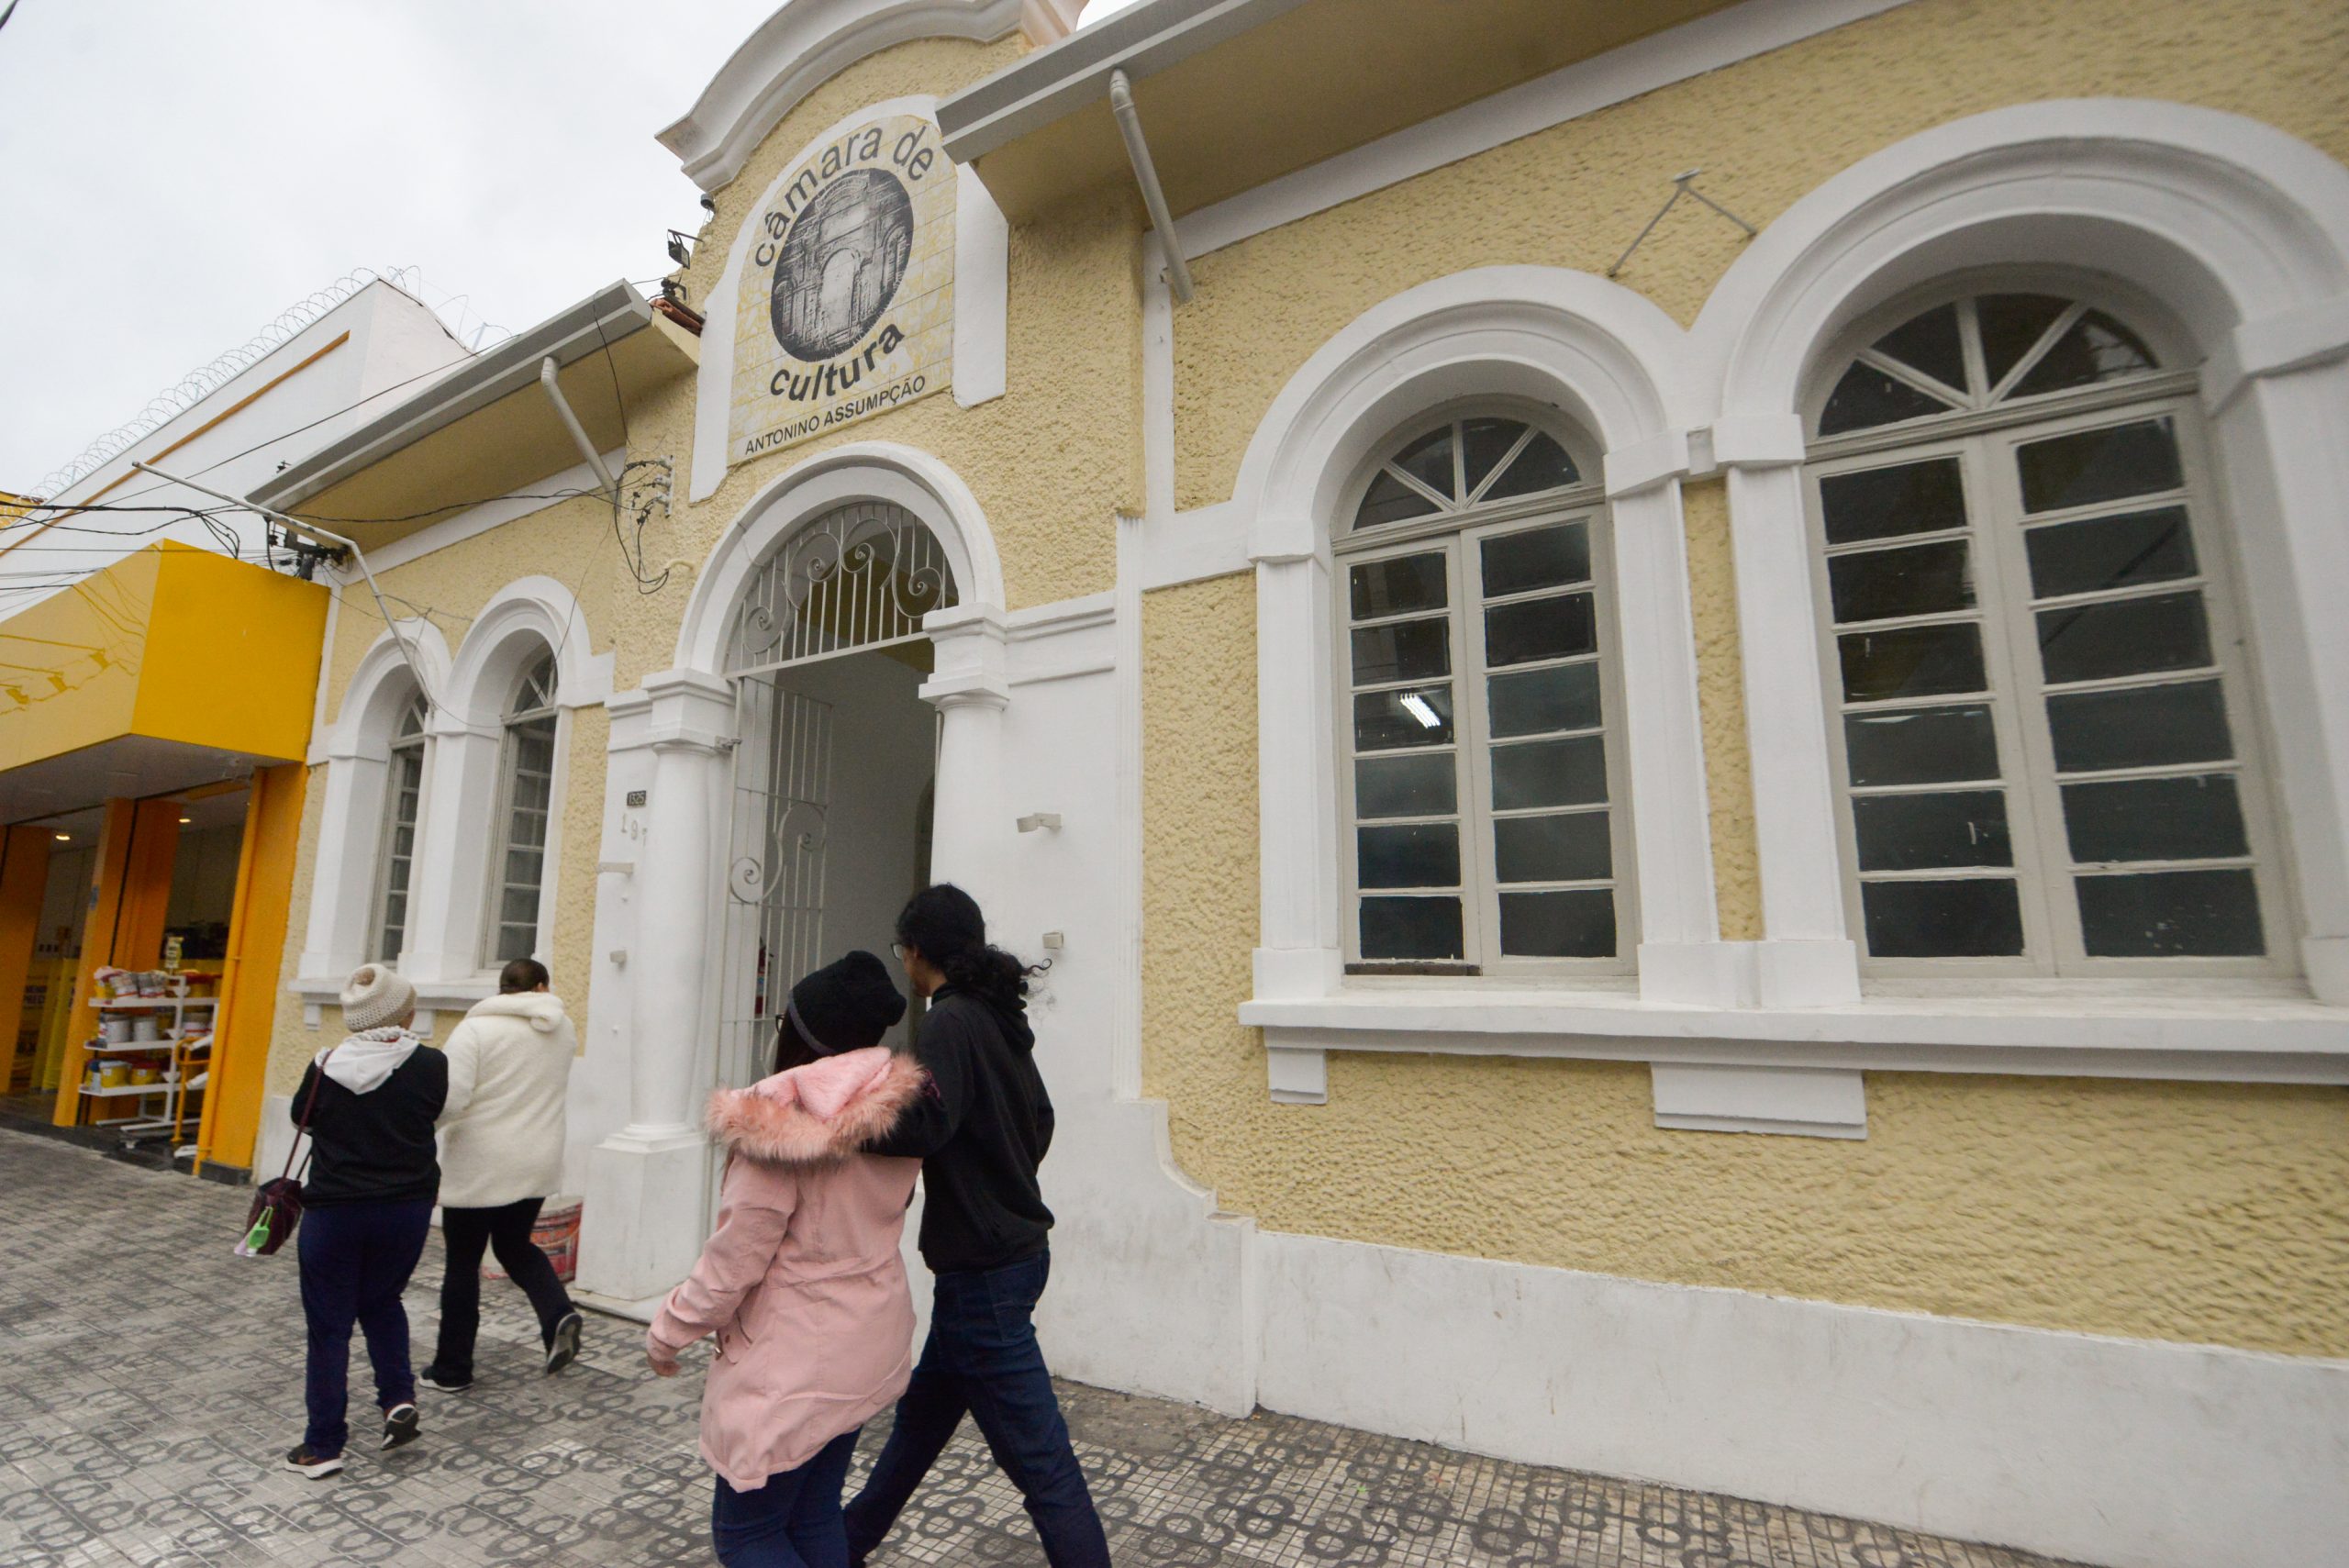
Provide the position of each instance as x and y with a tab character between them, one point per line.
1680	187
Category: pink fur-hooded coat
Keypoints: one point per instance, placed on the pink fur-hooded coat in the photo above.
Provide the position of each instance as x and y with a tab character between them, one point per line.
801	1281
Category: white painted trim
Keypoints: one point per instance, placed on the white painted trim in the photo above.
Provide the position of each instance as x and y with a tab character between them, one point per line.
2238	1040
797	49
1710	43
861	471
1806	1102
524	613
1190	546
1612	360
2129	1452
475	520
981	299
356	750
2242	234
981	291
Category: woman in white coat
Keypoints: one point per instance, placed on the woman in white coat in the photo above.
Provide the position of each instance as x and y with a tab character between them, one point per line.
501	1157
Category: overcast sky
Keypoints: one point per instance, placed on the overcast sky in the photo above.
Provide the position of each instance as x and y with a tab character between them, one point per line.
176	172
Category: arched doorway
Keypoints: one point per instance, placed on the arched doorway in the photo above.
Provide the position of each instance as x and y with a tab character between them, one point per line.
834	757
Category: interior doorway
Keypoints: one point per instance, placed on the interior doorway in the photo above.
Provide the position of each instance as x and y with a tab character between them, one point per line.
834	762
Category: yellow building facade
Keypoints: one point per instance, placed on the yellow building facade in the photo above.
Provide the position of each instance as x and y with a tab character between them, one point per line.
1658	677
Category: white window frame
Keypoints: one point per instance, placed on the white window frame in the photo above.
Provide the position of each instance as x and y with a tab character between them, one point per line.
408	751
1454	529
1983	440
516	718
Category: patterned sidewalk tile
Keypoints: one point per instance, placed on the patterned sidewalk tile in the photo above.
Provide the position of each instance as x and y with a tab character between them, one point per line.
150	1380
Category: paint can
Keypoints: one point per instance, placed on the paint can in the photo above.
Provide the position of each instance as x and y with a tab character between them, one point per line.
556	1234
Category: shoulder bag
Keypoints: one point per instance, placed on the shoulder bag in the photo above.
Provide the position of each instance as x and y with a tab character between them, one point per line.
277	1206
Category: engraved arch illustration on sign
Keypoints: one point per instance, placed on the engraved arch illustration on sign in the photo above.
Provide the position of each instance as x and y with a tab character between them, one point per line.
842	263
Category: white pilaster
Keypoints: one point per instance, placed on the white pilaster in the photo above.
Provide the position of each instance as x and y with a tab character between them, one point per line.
1809	960
448	894
970	686
645	1187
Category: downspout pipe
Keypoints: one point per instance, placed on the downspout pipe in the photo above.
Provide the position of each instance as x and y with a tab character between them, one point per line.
311	530
1121	103
578	431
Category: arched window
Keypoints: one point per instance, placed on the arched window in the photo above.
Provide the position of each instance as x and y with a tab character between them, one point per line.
403	793
526	796
1478	784
2046	745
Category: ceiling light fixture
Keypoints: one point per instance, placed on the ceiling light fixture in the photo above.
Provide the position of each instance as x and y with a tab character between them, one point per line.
65	837
1417	707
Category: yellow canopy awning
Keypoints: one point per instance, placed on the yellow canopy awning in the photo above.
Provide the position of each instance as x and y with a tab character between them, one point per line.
171	667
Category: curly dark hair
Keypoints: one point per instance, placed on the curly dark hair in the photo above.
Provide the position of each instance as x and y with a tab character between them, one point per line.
944	925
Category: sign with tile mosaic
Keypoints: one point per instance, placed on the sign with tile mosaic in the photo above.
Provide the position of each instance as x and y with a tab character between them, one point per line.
847	306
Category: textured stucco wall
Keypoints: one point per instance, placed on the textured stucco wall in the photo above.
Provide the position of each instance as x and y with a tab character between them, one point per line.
1721	699
1766	132
2191	1212
1051	462
2197	1212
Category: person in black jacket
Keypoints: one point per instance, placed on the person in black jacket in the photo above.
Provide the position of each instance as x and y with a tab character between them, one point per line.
980	1133
369	1102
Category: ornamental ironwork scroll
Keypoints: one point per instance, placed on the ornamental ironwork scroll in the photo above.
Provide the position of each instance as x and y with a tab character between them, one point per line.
862	575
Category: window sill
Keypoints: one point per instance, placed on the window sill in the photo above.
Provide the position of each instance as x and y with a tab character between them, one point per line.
318	991
2236	1038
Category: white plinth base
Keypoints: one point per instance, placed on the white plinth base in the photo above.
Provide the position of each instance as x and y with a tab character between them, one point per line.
641	1225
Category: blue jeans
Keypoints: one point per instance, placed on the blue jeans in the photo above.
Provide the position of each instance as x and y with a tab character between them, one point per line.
793	1521
356	1257
982	1357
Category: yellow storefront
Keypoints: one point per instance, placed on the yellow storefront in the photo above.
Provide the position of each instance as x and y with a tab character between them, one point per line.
153	720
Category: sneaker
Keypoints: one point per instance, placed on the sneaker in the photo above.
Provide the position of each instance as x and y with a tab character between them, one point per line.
299	1457
564	1348
400	1426
447	1382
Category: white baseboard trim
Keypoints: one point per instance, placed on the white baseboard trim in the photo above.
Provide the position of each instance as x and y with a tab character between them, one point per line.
2133	1453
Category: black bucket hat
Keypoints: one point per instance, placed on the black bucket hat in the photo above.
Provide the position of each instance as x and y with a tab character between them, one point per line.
845	1006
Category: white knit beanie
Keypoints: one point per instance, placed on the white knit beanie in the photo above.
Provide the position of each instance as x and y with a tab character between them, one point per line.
376	996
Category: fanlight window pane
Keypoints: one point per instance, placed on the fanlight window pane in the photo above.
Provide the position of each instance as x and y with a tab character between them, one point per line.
1390	500
2095	348
2012	325
1929	343
1542	465
1484	443
1867	398
1429	461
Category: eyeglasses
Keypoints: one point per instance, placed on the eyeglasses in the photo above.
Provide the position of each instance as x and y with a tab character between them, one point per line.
897	951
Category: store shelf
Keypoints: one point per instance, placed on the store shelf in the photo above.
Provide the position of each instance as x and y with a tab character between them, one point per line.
119	1090
102	1046
150	1004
